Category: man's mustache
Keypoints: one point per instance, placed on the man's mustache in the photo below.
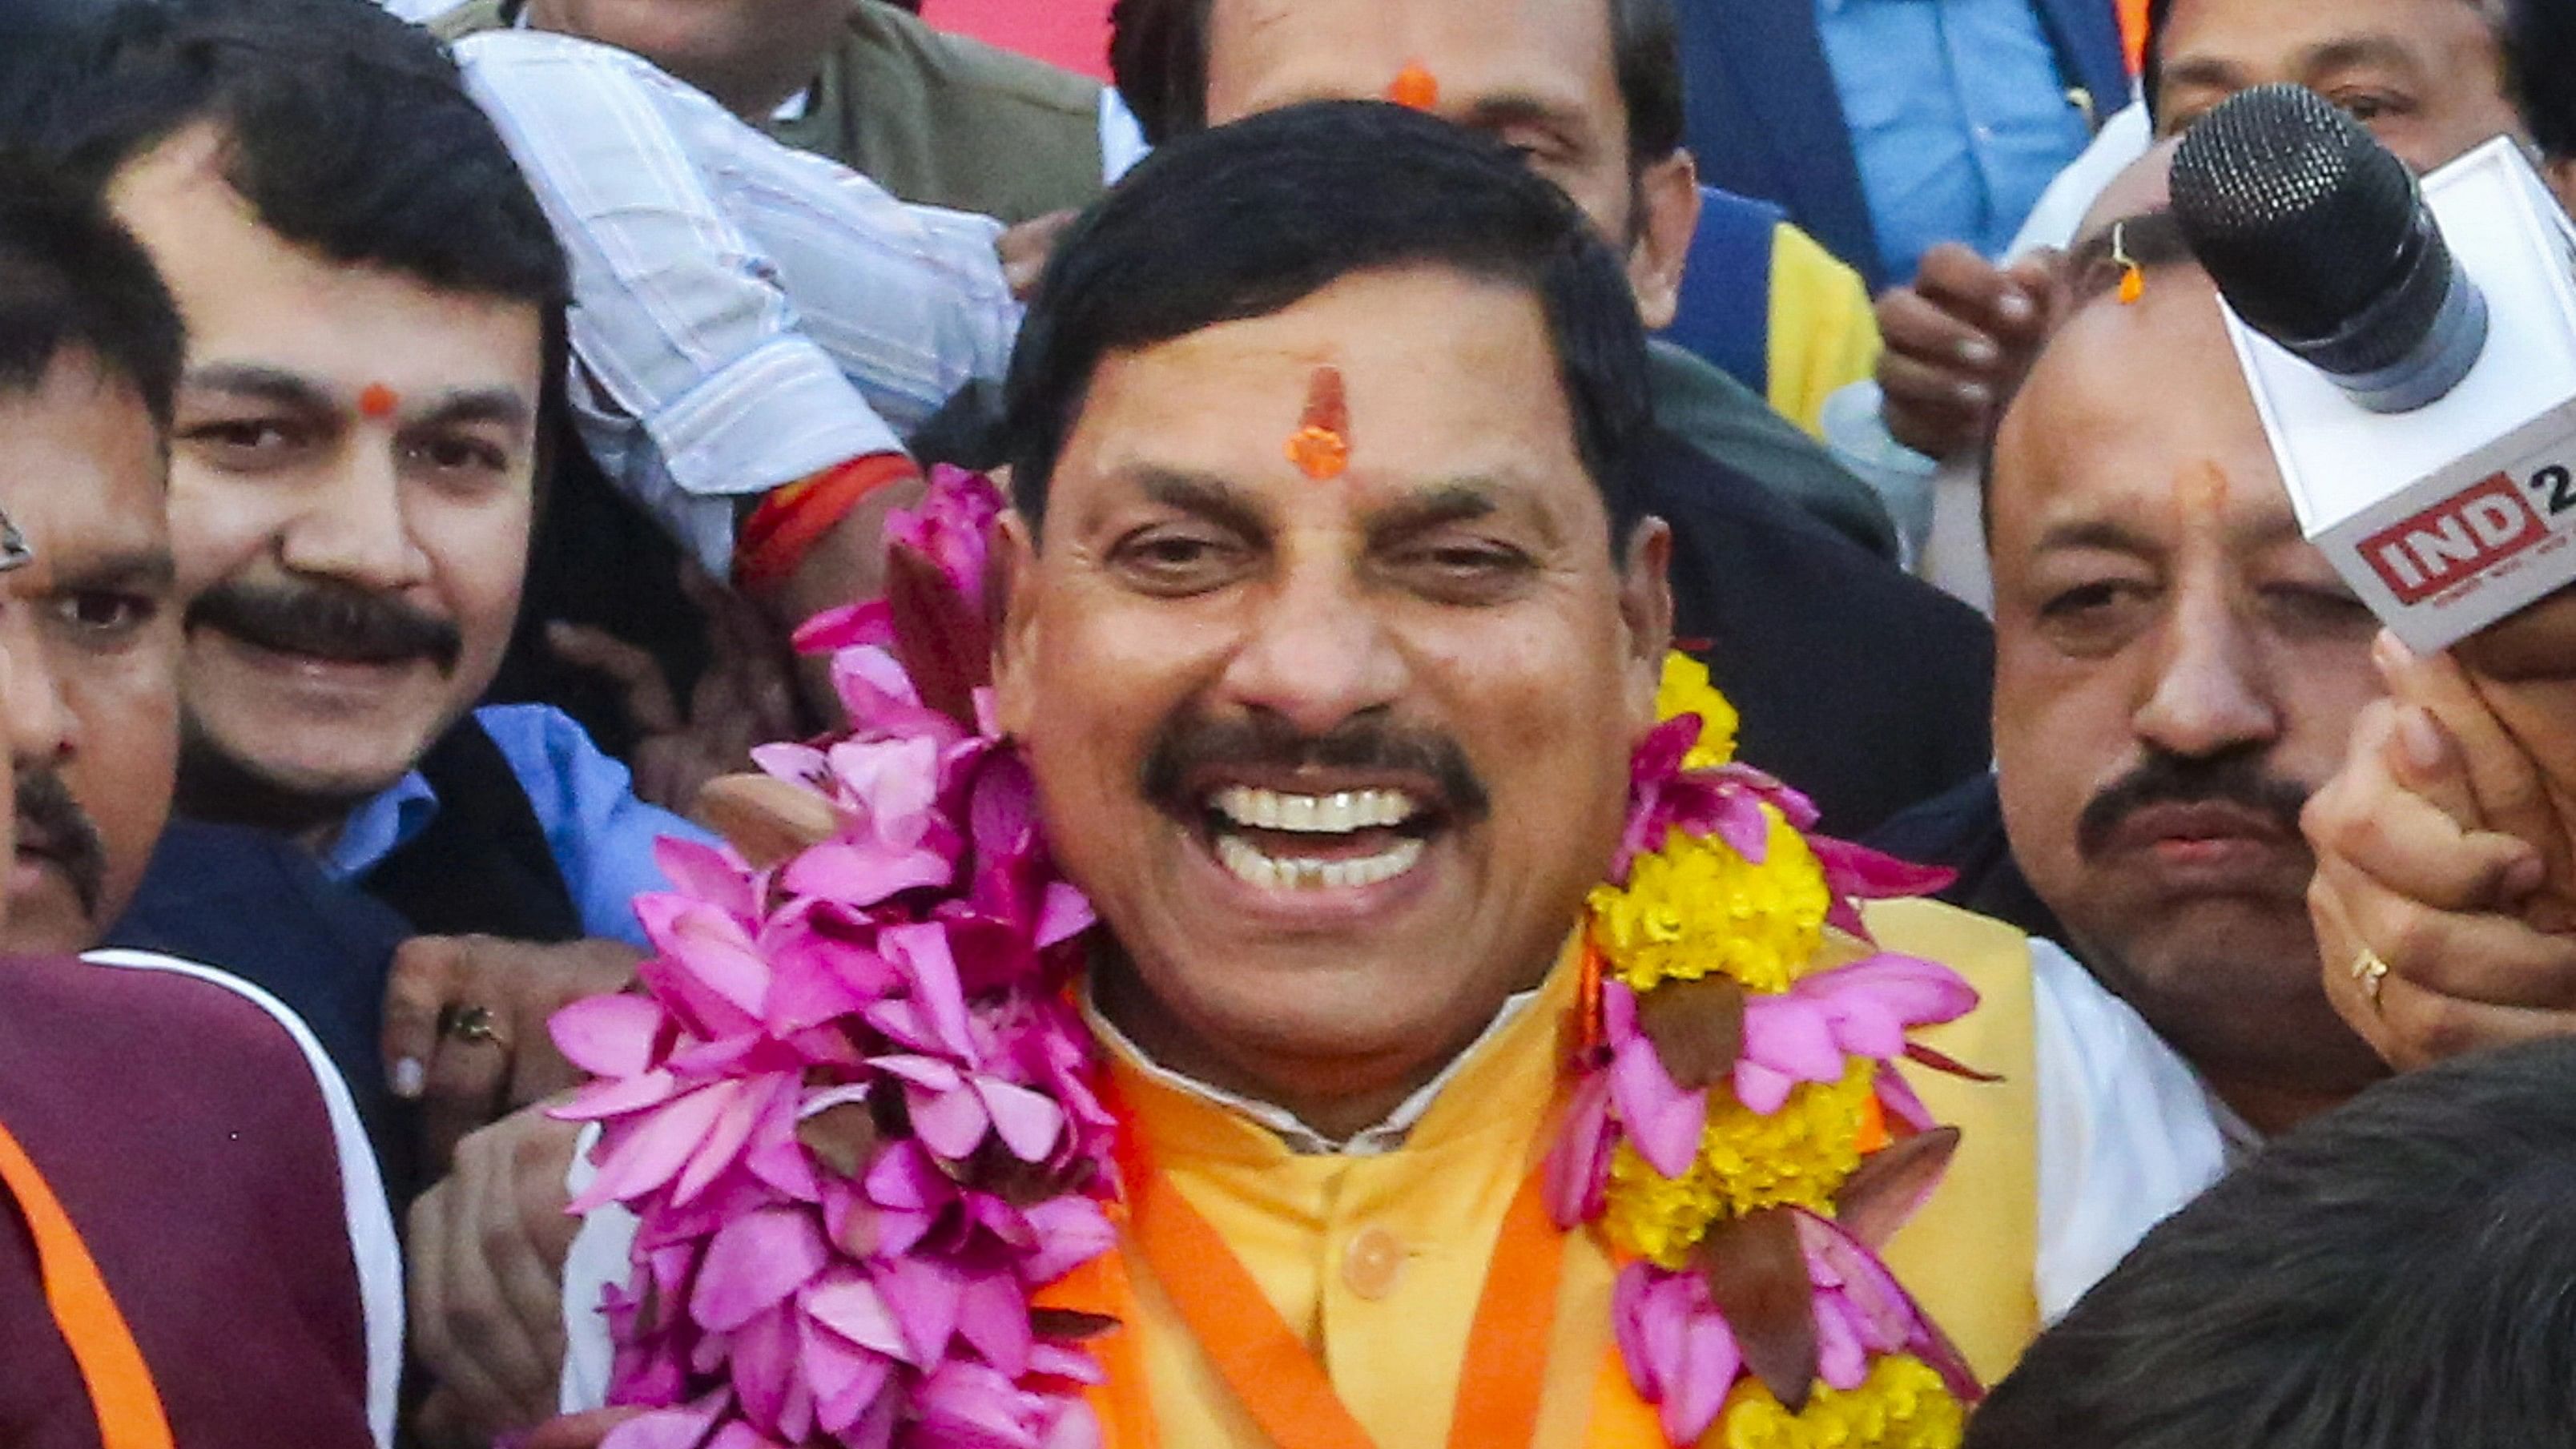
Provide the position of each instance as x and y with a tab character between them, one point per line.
1187	747
47	813
2236	777
326	621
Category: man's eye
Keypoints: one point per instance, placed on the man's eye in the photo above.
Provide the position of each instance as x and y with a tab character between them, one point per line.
95	614
2093	618
460	454
246	440
2368	106
1466	573
1174	563
2309	610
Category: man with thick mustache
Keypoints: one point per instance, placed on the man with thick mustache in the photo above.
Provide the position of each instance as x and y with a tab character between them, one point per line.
2177	670
173	1144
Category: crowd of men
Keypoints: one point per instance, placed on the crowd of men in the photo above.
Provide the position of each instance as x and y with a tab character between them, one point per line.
420	440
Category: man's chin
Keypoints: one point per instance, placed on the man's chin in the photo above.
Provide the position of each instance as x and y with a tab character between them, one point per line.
45	915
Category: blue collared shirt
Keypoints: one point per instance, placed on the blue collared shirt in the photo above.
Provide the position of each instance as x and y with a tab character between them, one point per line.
1959	117
600	834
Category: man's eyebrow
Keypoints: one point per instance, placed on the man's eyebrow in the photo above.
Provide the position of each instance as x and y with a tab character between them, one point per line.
2361	50
268	384
151	569
505	406
1203	494
2200	70
2096	533
1519	108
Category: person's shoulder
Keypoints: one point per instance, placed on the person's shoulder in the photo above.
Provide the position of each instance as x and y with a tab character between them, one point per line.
471	18
149	1012
963	61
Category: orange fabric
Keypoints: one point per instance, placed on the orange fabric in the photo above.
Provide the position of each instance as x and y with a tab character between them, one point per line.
121	1391
1265	1364
2133	32
788	523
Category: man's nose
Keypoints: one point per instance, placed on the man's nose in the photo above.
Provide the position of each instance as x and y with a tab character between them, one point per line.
2211	691
354	527
31	703
1317	652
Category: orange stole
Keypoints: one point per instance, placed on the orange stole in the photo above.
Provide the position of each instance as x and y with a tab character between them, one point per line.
121	1392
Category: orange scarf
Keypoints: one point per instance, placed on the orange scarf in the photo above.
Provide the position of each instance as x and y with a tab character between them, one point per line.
121	1391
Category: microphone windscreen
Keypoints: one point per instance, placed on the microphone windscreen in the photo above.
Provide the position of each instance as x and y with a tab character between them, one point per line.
2305	222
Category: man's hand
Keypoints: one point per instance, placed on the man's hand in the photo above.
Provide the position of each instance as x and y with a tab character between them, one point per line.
2440	900
487	1249
465	1025
1955	340
746	696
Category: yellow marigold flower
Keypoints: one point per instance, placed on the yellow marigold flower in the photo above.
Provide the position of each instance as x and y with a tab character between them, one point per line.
1797	1156
1901	1405
1696	906
1685	690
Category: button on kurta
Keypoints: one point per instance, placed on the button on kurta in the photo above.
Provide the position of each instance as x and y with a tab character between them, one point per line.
1372	1263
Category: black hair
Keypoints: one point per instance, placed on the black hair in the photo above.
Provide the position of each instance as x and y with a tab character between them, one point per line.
348	131
1158	57
73	283
2540	62
2398	1274
1249	219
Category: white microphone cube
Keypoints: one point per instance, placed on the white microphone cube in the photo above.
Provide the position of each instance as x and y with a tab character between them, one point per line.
2450	517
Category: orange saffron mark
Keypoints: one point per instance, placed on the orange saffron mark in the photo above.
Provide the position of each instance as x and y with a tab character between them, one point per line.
2133	285
1321	447
376	400
1414	88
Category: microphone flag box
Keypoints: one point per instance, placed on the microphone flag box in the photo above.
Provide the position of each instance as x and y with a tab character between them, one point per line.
2447	518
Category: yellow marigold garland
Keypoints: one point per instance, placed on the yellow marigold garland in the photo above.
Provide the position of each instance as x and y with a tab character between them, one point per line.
1696	907
1901	1405
1691	908
1795	1157
1685	690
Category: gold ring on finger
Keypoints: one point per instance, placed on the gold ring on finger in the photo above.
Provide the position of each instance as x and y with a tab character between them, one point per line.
2372	973
468	1023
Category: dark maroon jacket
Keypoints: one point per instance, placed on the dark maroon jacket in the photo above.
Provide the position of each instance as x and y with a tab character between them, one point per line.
182	1129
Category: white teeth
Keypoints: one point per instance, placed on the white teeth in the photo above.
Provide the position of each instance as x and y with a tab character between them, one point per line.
1336	814
1249	865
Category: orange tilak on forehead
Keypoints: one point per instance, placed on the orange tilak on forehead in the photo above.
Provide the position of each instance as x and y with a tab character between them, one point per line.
1414	88
1321	446
376	400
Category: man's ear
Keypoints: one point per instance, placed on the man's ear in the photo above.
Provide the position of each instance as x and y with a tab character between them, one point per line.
1646	613
1667	217
1015	563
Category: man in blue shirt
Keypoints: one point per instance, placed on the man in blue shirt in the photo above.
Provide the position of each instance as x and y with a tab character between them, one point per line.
375	315
1887	126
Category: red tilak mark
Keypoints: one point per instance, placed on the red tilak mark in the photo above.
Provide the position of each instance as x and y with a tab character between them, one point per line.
378	401
1414	88
1321	448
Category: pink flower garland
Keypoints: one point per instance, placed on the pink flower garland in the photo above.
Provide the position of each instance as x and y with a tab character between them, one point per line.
850	1104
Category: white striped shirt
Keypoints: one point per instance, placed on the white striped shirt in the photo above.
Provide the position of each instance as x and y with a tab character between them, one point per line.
744	313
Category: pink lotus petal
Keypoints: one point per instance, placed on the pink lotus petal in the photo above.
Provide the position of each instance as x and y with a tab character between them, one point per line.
863	873
1791	1036
609	1036
1070	1232
1027	1122
1761	1090
950	1123
1897	1095
605	1099
645	1153
1663	1121
724	1139
711	873
850	1306
753	1263
1709	1368
993	1315
1056	1361
922	1295
1578	1165
1631	1308
1074	1428
682	1428
971	1407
